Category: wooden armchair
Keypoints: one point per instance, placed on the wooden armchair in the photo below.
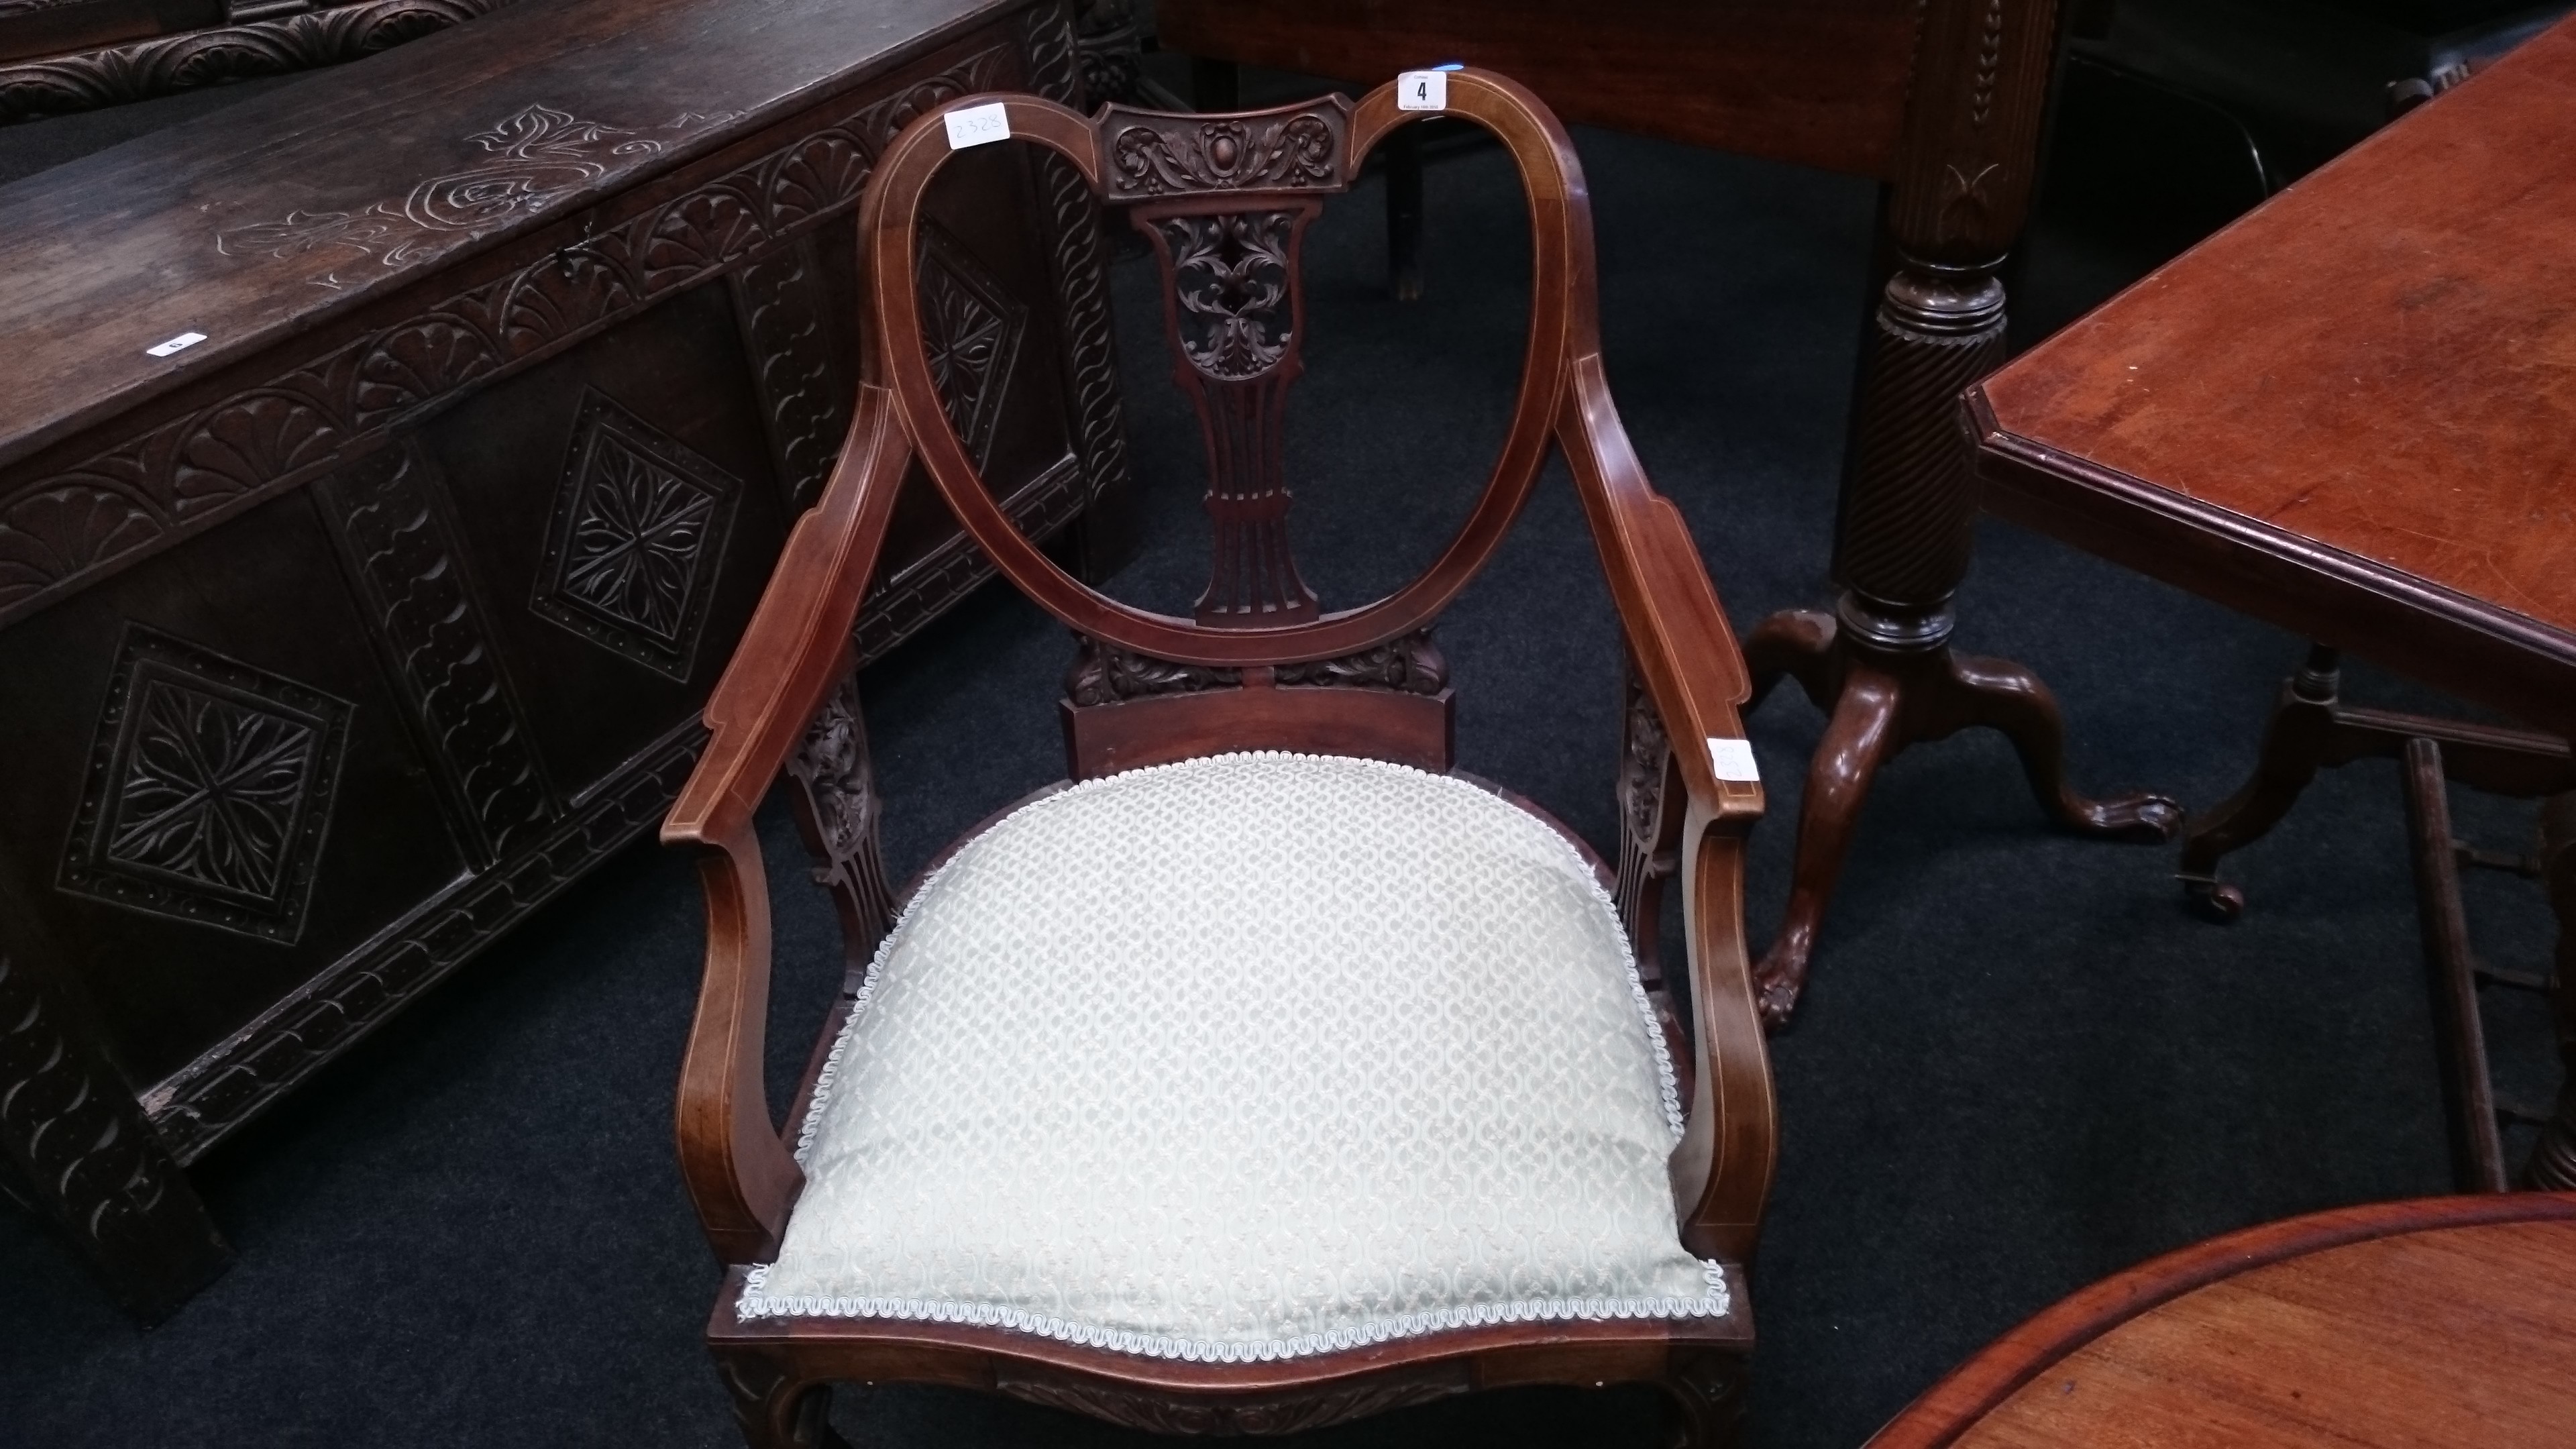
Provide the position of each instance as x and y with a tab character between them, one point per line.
1273	1073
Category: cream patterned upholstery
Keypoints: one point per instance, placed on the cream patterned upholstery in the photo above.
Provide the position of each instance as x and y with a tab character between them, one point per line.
1247	1057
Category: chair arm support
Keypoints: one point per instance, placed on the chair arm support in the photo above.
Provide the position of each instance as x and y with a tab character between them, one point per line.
797	645
1694	674
740	1176
1722	1170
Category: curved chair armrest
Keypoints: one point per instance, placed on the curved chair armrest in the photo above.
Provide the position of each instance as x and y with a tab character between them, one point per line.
1694	674
740	1175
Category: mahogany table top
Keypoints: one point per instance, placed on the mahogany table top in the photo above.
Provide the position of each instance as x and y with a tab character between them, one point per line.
2365	387
2440	1321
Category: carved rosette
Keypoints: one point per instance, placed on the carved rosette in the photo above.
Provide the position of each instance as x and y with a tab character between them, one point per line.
209	790
838	808
198	1106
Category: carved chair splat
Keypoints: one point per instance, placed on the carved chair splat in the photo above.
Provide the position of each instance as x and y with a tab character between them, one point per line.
1261	666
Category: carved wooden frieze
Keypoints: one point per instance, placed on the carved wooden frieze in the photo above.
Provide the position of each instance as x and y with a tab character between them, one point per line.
1289	1412
839	808
209	791
391	519
215	1093
1151	154
197	469
74	1137
971	328
1072	222
897	608
255	45
639	527
781	304
538	156
1412	664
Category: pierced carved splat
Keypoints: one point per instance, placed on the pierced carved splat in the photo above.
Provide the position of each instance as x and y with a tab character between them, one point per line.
1236	317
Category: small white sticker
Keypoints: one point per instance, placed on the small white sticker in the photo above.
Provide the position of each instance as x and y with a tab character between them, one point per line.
1422	90
1733	760
180	343
976	125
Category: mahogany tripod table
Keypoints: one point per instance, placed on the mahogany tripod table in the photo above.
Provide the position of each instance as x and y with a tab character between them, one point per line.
2351	414
2438	1321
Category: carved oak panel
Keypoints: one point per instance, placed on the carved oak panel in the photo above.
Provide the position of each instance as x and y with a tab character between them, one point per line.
638	531
210	790
460	558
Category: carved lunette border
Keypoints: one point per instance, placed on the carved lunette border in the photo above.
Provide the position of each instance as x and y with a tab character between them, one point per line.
110	75
62	530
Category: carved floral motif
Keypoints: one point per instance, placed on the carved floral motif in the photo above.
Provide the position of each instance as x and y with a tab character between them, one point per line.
1106	674
1412	664
1230	276
1152	154
539	156
639	530
970	333
210	791
842	808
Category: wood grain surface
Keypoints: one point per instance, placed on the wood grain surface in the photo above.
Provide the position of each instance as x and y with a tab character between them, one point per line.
2448	1321
180	231
2378	360
1821	83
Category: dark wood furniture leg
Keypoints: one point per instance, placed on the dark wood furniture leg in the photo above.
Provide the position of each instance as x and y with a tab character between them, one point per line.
76	1150
1881	664
2311	728
2553	1159
2468	1093
1403	152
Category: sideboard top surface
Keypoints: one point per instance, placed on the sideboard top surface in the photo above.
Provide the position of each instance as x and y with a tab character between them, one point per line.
275	215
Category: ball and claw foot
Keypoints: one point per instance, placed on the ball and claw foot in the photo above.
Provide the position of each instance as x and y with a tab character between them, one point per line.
2214	899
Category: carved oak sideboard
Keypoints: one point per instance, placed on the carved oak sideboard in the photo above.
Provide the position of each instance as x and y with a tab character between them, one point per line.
72	55
338	641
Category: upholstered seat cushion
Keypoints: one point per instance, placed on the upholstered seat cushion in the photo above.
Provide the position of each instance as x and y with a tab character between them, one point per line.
1247	1057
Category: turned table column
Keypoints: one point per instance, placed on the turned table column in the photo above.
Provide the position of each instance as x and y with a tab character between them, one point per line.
1880	662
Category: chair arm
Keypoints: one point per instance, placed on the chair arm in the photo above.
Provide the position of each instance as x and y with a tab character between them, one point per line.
1694	674
740	1175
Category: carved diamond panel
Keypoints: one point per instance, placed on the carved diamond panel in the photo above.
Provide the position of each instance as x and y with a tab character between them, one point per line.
209	790
970	332
639	530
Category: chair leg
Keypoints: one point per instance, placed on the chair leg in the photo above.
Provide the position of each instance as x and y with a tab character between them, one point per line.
2553	1158
2005	697
1704	1393
1862	734
775	1409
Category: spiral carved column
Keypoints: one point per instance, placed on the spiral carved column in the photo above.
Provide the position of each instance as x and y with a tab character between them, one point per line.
1880	664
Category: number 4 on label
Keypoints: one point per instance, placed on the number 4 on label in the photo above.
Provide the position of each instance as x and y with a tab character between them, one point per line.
1422	90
